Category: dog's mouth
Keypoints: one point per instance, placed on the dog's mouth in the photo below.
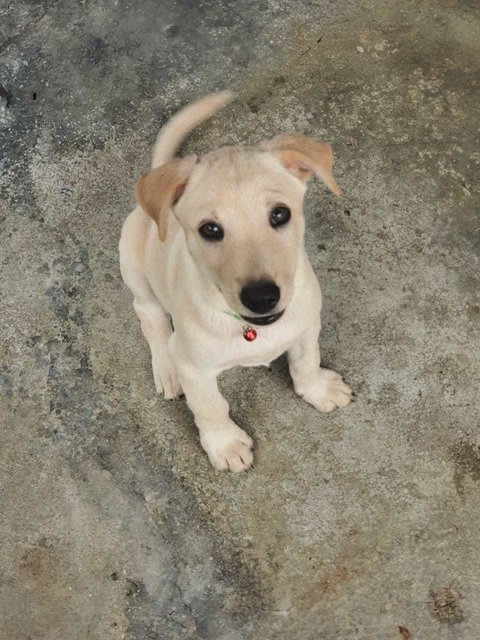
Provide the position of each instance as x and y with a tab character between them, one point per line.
264	320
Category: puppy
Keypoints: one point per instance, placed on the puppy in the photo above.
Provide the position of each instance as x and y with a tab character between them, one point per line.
215	246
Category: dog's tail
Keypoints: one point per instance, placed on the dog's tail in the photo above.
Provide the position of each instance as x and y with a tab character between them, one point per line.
172	134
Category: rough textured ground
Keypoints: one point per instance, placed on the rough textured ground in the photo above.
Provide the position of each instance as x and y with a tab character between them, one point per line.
362	525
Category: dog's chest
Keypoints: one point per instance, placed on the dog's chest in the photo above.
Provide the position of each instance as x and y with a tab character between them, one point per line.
269	344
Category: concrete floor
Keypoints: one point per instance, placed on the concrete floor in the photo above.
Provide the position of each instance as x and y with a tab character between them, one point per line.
361	525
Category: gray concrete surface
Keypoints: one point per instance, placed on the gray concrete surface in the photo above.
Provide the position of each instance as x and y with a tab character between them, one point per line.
362	525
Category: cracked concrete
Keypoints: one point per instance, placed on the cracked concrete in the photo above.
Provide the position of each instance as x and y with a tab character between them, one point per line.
359	525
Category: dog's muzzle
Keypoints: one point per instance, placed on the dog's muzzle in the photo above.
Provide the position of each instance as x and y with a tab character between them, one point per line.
263	320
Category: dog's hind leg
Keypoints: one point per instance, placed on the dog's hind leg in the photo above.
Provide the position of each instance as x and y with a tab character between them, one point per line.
156	328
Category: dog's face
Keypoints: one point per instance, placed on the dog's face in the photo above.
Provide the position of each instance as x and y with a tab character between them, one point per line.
242	216
241	211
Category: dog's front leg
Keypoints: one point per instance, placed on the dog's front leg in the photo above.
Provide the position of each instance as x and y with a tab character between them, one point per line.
228	447
322	388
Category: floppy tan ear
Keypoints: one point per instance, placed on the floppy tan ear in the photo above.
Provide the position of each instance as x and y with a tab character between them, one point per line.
302	156
158	190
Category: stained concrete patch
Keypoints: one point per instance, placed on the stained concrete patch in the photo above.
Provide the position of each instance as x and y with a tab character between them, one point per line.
355	525
404	633
446	606
467	463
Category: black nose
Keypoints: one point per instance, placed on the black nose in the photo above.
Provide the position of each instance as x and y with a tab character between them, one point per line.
261	296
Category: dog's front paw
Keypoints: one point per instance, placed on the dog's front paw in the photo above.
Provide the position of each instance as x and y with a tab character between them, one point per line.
165	376
229	448
327	392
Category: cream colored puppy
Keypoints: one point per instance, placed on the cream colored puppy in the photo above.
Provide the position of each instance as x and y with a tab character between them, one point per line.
216	248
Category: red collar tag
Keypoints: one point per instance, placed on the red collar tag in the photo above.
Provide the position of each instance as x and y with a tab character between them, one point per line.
249	334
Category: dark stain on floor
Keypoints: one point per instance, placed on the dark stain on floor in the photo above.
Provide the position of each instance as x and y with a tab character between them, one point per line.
466	458
446	606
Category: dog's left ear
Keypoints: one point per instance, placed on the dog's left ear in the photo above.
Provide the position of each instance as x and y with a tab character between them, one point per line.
302	156
159	189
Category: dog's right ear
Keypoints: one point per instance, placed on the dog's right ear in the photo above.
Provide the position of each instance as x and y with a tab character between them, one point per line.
159	189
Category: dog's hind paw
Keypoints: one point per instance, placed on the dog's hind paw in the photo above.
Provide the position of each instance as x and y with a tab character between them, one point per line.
166	379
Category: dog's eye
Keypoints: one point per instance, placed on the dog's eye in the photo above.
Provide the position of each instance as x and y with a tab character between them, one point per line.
279	215
211	231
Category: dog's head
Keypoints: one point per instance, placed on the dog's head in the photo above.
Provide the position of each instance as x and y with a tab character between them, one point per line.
241	211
